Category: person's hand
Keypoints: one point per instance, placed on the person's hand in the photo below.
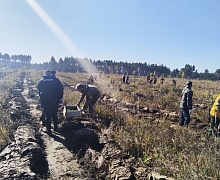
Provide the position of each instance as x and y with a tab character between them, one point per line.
81	110
190	111
72	88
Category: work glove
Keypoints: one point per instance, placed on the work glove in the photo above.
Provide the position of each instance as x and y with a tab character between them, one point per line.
78	107
190	111
81	110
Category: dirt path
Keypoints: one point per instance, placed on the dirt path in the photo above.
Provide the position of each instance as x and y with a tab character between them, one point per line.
82	150
61	161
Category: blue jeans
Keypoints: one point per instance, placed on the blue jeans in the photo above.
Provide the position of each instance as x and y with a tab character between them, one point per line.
184	117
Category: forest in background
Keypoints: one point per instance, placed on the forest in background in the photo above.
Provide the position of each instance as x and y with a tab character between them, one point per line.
71	64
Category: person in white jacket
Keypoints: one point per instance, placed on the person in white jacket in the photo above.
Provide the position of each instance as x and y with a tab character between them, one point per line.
186	105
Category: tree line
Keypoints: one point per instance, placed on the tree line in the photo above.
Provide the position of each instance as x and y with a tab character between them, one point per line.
14	61
72	64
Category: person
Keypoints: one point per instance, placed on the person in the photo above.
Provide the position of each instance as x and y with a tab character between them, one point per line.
151	80
51	73
50	90
127	79
215	118
91	79
174	82
186	105
148	78
123	78
92	95
155	80
162	79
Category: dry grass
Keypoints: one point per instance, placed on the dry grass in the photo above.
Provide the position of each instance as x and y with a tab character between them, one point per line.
175	151
158	143
5	125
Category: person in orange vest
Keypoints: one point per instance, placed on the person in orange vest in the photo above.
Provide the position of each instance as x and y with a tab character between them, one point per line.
215	118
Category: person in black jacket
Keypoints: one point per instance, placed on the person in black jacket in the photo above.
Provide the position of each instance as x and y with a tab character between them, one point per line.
51	92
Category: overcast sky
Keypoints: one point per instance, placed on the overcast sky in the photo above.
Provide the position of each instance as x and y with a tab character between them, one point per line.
168	32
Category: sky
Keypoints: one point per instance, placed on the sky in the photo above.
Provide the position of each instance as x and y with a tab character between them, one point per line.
172	33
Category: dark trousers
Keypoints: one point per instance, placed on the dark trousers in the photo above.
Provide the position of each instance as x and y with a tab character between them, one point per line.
214	124
50	110
92	104
184	117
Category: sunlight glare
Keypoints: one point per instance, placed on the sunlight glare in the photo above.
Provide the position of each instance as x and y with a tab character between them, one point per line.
90	68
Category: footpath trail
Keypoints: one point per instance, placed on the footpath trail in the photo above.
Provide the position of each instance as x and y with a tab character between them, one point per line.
62	163
82	149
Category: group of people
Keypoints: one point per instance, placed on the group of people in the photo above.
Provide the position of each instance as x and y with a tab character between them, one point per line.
51	92
186	110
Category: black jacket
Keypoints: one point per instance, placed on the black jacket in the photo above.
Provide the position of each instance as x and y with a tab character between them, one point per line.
50	89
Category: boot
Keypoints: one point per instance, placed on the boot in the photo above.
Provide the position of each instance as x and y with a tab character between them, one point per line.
48	131
181	122
48	126
55	127
210	132
43	124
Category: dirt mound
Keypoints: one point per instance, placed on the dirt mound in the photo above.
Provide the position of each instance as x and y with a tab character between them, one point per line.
81	149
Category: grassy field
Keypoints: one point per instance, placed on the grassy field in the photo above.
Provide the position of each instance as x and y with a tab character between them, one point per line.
157	143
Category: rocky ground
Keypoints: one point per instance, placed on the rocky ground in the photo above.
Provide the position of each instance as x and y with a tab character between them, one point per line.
81	149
